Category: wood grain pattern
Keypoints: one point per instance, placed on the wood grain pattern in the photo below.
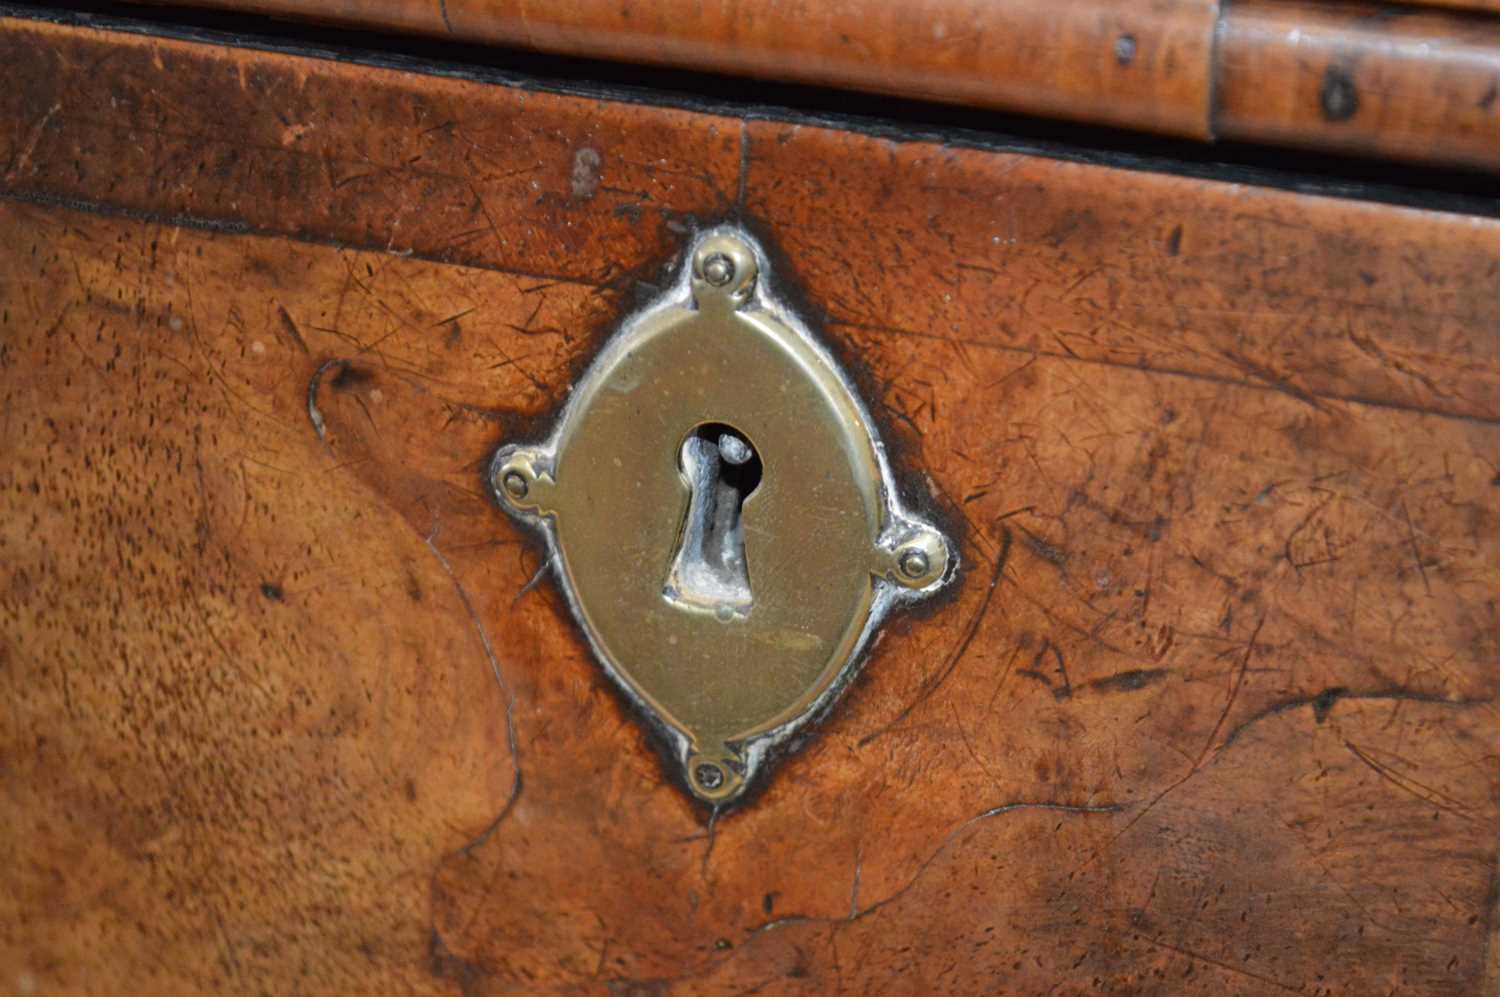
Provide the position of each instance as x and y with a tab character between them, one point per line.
1398	84
1211	711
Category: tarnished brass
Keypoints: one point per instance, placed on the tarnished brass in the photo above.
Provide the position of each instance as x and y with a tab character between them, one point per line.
721	517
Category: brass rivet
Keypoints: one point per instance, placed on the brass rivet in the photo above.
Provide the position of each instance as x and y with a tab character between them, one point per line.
718	270
914	563
515	484
708	776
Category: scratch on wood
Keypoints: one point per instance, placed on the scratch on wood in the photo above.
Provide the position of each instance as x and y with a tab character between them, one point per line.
313	415
712	837
1438	799
983	815
1275	380
1226	967
512	741
932	684
1050	553
34	136
291	328
1234	691
1063	691
859	861
1416	553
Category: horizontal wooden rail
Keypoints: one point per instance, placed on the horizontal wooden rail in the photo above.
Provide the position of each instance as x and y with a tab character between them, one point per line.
1408	83
1418	86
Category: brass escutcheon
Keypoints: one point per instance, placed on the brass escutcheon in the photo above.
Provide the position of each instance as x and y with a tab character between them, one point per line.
722	518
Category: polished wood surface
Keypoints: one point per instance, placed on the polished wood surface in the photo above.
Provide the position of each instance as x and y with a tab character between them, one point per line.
1135	65
1374	80
1407	86
1211	710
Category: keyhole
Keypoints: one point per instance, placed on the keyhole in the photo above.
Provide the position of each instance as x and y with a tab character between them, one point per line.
709	571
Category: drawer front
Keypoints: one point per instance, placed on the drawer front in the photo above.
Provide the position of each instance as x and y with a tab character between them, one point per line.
294	706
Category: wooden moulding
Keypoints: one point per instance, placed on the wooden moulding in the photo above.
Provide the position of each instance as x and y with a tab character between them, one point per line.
1211	711
1407	85
1128	65
1403	83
